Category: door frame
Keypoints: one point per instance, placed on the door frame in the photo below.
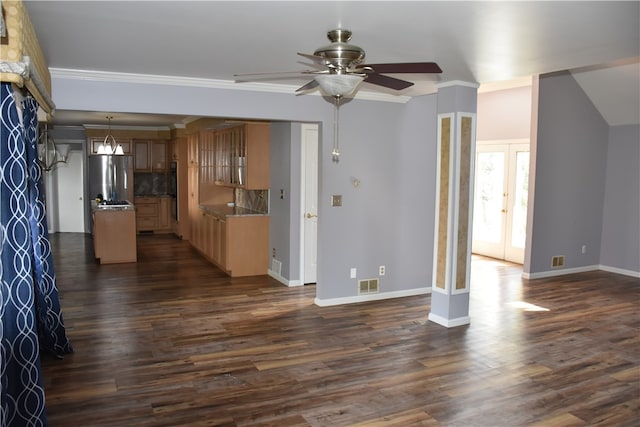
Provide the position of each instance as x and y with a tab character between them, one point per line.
303	196
507	253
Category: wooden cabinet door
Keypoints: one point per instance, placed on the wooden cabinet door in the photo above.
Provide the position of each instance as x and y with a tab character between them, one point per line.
158	155
222	242
257	157
141	156
164	213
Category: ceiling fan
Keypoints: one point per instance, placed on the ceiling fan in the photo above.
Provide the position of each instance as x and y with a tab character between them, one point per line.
341	68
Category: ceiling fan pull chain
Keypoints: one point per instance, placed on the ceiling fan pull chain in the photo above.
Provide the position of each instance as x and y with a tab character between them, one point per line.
335	153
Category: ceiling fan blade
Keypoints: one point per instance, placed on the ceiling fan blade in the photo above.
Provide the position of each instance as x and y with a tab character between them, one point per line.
386	81
317	59
405	67
312	84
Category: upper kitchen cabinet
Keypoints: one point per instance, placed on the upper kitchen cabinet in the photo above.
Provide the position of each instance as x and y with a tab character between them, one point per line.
95	143
150	156
242	156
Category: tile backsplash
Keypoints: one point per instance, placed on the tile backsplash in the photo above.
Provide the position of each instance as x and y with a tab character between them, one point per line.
257	200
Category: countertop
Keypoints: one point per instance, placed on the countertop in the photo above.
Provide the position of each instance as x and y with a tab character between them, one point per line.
223	211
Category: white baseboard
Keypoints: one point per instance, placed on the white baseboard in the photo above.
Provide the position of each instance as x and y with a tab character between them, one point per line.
286	282
449	323
562	272
553	273
372	297
620	271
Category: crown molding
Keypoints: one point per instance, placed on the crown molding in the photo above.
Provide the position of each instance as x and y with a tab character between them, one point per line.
108	76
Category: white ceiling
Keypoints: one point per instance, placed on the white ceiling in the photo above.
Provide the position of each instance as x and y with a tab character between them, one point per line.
484	42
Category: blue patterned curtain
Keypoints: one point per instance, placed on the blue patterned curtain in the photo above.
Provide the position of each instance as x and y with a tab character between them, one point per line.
30	313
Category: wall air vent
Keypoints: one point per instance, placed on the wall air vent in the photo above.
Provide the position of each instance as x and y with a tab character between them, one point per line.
368	286
276	267
557	261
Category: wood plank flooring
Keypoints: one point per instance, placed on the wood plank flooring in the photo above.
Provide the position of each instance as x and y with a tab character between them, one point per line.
172	341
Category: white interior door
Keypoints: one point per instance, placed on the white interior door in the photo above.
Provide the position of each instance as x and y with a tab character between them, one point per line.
69	194
309	200
500	200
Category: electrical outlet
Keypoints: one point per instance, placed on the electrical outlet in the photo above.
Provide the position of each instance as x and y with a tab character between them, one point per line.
273	254
336	200
353	273
381	270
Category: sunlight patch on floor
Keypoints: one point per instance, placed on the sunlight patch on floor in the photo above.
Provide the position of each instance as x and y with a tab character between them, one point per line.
526	306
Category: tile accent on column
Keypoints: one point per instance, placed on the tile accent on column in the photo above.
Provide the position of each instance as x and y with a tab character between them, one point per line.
465	158
443	201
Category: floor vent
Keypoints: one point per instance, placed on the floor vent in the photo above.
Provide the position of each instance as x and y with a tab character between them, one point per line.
368	286
557	261
276	266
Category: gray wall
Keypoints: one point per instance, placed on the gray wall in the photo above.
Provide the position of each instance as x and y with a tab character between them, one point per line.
280	157
569	176
620	247
504	114
388	146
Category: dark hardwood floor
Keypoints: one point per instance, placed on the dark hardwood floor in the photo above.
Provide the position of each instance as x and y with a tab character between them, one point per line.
171	341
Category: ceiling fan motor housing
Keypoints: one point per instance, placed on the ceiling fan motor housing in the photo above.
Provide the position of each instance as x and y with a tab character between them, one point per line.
340	56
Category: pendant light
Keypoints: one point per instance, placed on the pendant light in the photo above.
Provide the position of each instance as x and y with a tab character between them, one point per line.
50	153
109	146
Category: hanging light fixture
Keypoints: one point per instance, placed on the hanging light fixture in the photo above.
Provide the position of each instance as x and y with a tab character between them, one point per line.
50	154
109	146
338	85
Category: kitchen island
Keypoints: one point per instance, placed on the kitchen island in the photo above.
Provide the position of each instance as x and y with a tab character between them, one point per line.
114	233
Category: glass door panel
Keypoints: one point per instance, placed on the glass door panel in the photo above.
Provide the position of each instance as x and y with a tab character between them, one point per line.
488	221
500	200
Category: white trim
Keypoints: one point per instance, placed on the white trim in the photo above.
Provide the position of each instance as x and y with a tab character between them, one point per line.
619	271
284	281
458	83
562	272
372	297
107	76
507	141
449	323
553	273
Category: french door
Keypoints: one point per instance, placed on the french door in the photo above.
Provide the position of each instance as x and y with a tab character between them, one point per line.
500	200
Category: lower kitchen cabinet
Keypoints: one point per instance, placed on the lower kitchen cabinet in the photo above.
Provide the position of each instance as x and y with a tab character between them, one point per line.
239	245
153	214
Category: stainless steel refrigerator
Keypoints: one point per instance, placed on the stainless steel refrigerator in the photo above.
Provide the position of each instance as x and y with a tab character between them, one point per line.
112	177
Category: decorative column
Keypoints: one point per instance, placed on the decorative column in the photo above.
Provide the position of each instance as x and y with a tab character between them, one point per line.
457	106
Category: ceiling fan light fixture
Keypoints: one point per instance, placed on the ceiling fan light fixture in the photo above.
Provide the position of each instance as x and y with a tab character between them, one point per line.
338	84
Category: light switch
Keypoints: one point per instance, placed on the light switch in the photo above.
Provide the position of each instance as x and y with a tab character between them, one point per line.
336	200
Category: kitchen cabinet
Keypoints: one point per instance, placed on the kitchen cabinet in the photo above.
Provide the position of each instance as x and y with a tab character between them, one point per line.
242	156
95	143
153	214
114	236
239	245
164	213
193	192
150	156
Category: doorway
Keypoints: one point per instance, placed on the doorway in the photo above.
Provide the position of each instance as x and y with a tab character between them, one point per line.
500	199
